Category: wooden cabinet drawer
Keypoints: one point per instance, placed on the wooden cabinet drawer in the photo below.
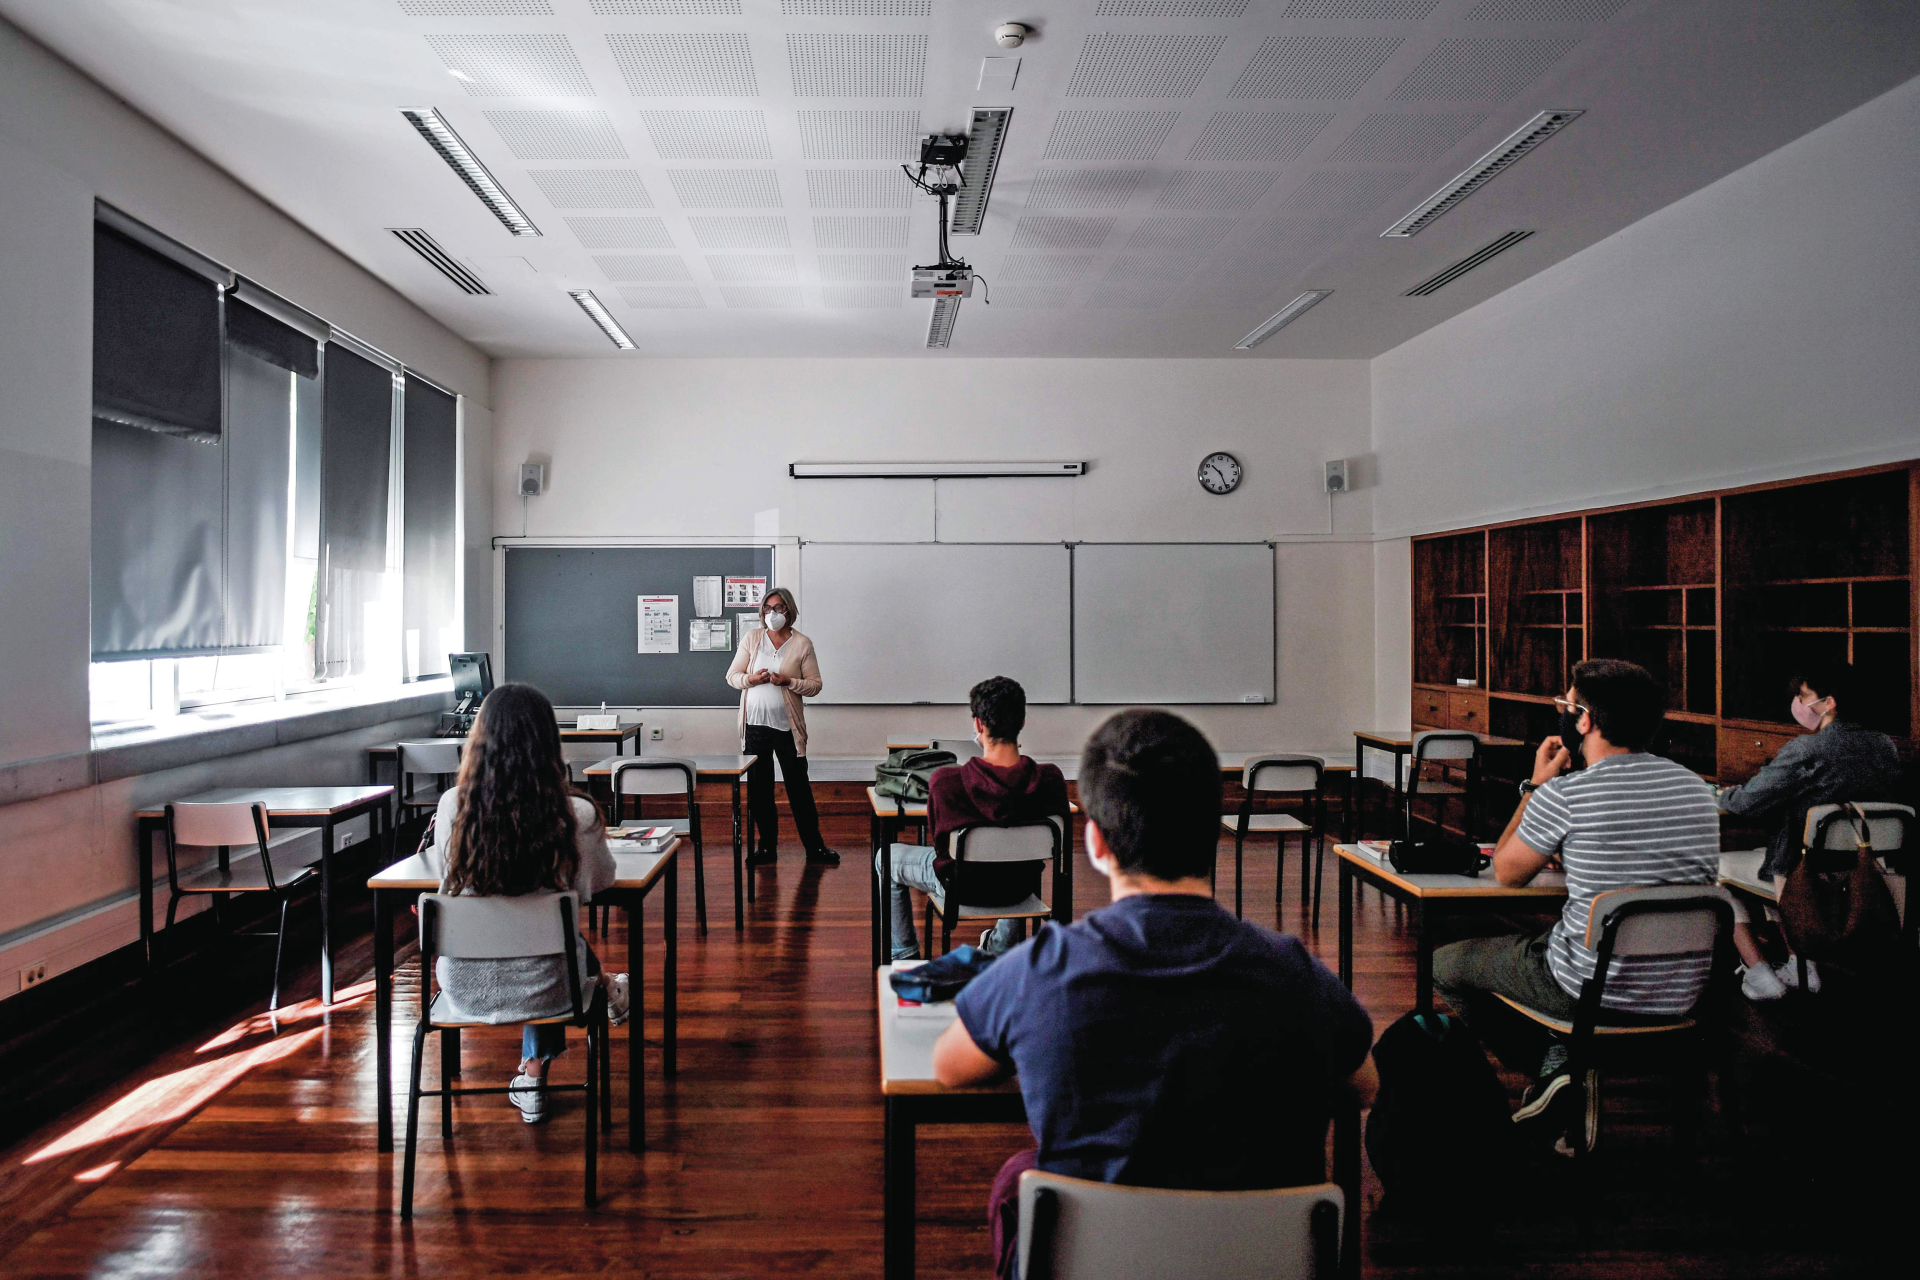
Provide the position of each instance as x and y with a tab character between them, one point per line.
1743	751
1467	711
1430	707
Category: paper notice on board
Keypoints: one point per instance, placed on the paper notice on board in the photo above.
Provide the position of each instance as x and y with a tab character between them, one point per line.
709	635
745	593
706	597
659	624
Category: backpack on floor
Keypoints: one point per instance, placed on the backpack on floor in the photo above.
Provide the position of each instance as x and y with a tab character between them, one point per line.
906	774
1440	1135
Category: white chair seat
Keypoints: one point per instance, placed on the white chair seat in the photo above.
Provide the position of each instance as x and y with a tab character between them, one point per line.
1565	1025
1031	907
1265	822
442	1013
1441	789
246	875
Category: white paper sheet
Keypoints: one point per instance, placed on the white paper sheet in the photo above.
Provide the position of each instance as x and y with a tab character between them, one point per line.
659	624
709	635
706	596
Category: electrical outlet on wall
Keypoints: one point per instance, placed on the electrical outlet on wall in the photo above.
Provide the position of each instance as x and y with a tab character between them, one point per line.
657	731
33	975
347	838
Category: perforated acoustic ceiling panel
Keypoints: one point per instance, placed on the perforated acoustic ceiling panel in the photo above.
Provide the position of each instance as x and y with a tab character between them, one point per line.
1322	68
1493	70
592	188
860	135
1363	10
581	134
857	8
1115	65
1181	235
1215	189
862	296
857	66
1025	296
652	266
664	8
621	233
1545	10
1084	188
709	135
1353	191
763	297
740	233
726	188
1044	268
664	297
1060	233
1170	8
513	66
858	189
1108	135
1253	137
752	268
845	267
1399	139
843	232
697	64
476	8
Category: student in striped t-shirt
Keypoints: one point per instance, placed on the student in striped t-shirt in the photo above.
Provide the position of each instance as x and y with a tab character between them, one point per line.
1626	819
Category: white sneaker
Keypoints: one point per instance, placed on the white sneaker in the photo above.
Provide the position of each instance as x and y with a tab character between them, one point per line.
530	1096
1760	983
619	999
985	938
1789	974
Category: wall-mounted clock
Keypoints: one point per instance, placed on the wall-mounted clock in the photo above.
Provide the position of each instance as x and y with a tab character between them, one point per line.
1219	473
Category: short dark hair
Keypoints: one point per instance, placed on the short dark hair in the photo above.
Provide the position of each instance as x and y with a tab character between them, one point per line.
1628	704
1836	680
1151	782
999	703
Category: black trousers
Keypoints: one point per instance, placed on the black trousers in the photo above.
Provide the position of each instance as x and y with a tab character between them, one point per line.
769	744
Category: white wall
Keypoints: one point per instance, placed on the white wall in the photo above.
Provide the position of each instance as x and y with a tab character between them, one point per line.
695	448
1766	326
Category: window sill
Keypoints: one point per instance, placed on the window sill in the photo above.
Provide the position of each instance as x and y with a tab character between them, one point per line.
226	730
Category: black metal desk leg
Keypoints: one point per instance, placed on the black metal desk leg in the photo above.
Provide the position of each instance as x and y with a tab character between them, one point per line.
886	894
326	912
1346	1173
670	1046
146	830
1423	957
383	1018
1346	922
637	1024
897	1196
877	898
739	877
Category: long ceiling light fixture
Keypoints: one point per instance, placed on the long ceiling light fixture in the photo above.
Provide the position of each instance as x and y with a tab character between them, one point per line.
985	139
441	137
1484	170
1282	318
597	312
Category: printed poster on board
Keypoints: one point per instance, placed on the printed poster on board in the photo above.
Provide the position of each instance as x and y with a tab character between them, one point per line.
745	593
659	624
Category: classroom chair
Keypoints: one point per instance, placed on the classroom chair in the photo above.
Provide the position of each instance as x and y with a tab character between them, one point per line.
1076	1229
972	846
1831	840
227	827
1440	747
1279	780
963	749
530	926
1655	920
667	776
438	760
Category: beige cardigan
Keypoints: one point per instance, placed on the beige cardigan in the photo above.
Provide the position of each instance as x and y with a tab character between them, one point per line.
796	663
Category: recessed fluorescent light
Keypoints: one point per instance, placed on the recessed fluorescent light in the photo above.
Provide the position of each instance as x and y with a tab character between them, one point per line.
946	310
598	312
1484	170
985	140
1281	319
441	137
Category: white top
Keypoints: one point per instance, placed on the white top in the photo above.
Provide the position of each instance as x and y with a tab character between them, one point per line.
767	703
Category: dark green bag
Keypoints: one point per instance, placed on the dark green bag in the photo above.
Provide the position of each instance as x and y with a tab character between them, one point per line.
906	772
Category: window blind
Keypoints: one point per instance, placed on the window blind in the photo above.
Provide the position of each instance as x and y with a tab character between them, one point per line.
259	450
268	339
429	628
156	341
356	458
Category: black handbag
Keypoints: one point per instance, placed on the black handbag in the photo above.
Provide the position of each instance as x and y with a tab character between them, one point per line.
1437	858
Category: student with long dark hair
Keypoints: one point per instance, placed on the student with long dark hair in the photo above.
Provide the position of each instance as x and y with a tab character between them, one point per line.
514	825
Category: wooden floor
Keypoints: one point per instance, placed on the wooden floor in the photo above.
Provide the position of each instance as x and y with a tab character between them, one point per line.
248	1149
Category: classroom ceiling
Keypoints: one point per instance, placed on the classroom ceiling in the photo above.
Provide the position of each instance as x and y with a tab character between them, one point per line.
724	173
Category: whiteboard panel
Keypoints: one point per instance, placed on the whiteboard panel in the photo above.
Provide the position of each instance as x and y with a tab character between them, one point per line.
925	622
1173	623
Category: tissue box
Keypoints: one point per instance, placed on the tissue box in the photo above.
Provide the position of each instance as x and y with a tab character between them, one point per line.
611	720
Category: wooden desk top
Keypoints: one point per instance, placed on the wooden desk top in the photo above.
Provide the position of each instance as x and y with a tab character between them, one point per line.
1402	739
624	733
705	766
421	872
906	1049
1741	870
1546	885
281	802
1235	762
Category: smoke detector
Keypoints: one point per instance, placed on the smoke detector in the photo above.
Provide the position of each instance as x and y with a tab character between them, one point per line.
1011	35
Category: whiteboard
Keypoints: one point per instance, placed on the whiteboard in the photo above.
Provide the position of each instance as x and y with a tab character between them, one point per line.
1173	623
925	622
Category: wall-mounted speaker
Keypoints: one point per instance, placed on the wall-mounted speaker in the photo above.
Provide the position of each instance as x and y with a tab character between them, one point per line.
1337	476
532	476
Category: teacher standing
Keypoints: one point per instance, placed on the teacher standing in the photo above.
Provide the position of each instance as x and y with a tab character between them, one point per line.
774	669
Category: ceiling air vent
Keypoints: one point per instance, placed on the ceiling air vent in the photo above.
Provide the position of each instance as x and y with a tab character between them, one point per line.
1484	170
429	248
1438	282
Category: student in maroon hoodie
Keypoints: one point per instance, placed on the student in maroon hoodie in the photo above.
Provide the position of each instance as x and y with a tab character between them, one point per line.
999	786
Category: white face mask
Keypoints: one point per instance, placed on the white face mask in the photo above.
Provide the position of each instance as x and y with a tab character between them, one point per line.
776	621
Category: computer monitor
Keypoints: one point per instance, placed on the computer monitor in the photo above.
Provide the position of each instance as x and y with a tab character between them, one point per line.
472	679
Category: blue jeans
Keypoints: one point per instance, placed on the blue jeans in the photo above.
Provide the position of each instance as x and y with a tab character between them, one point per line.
543	1040
913	869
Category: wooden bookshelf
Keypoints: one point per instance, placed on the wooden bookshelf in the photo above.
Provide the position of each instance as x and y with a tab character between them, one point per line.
1721	595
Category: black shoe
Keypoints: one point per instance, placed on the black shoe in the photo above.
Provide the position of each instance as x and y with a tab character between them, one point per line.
822	857
761	858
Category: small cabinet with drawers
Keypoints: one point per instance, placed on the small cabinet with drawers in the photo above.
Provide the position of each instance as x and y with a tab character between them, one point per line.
1743	751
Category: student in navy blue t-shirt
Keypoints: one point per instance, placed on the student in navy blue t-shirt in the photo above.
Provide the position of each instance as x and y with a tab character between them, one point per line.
1160	1042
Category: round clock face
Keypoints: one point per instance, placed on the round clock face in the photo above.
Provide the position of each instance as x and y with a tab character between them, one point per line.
1219	473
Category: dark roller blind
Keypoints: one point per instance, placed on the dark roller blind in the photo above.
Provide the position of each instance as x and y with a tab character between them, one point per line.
156	341
356	446
266	338
429	628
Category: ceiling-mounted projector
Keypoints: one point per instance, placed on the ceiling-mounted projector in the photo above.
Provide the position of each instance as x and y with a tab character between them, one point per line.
952	280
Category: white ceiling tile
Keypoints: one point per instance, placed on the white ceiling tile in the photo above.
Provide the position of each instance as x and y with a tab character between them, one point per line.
1181	235
843	232
671	297
1083	188
740	232
1115	65
1170	8
726	188
848	65
1312	68
856	8
592	188
709	135
621	233
651	266
1355	191
763	297
858	189
1060	233
1258	136
1215	189
665	8
862	266
752	268
1291	238
522	65
1545	10
1151	269
1363	10
863	296
476	8
1489	70
1108	135
860	135
1400	139
685	64
579	134
1044	268
1032	295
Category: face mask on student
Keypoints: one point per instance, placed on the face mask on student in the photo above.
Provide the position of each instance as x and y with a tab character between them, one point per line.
1570	735
1808	714
776	621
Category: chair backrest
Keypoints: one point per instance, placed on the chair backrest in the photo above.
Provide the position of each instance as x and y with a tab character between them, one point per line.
964	749
208	825
1073	1229
1290	774
1444	744
436	758
655	776
1660	920
1831	827
475	927
1031	842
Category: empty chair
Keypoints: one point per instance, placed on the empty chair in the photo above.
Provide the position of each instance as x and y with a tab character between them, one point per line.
1657	920
1074	1229
228	827
529	926
668	776
1434	747
1275	780
971	846
437	761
